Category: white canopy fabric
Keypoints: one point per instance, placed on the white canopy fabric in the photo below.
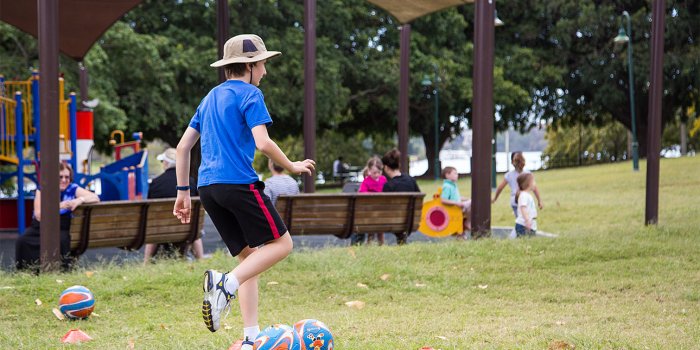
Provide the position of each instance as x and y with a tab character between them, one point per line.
408	10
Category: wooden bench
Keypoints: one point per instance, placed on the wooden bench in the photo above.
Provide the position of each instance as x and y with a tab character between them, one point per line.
342	214
131	224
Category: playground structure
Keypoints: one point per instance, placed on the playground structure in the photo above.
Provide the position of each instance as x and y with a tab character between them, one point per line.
127	177
440	220
20	150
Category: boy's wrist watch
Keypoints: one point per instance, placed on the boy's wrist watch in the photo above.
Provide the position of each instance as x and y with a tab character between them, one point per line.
182	188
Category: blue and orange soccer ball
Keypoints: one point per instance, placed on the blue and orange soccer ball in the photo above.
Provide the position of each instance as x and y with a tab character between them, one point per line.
279	337
76	302
314	334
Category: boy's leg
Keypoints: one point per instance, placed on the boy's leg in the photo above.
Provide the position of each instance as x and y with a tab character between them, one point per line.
248	297
263	258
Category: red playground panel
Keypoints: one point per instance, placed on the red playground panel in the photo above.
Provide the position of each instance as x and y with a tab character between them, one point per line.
8	213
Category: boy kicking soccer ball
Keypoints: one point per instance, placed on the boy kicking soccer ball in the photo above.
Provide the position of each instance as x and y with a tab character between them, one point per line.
232	122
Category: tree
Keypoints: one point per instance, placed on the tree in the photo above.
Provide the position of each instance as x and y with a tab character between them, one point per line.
554	62
578	38
572	145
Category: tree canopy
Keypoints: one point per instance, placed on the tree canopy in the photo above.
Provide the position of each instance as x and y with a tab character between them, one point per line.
555	62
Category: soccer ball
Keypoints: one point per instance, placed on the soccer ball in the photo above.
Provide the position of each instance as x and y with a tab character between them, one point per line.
76	302
314	334
279	337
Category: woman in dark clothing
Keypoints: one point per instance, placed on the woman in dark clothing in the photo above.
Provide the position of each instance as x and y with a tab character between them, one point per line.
397	182
72	196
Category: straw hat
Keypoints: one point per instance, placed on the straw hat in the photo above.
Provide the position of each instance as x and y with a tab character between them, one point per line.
244	48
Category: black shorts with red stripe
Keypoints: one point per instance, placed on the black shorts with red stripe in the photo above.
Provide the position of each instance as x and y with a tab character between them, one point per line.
243	214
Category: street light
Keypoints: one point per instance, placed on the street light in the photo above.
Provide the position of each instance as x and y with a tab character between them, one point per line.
497	22
426	83
622	38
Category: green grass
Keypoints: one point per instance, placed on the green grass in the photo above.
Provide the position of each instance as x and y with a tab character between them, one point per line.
607	282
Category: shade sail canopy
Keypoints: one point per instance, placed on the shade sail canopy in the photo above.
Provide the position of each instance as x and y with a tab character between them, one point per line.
408	10
80	22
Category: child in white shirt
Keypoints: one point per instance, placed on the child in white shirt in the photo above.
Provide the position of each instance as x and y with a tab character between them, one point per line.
526	221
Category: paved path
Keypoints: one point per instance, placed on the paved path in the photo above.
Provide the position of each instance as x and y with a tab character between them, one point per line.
212	242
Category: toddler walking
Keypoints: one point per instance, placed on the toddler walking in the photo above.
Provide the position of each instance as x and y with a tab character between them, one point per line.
526	222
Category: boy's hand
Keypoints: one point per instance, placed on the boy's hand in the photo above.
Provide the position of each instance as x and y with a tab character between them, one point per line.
306	166
182	207
528	224
539	204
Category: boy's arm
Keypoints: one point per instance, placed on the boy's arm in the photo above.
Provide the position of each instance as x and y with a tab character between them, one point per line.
449	202
183	203
447	193
272	151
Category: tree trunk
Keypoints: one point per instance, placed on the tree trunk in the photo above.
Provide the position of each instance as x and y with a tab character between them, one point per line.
428	140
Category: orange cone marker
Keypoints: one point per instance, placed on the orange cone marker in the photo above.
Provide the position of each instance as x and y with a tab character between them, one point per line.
75	336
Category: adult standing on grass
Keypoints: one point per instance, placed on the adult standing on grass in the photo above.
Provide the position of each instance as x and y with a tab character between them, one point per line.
511	179
232	121
397	182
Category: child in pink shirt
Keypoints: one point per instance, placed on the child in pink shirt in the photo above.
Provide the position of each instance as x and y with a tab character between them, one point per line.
374	182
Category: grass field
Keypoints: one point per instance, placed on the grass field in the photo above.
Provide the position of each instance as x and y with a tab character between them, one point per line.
607	282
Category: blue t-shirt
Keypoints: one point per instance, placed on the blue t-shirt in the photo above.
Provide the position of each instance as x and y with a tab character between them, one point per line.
224	120
450	191
67	195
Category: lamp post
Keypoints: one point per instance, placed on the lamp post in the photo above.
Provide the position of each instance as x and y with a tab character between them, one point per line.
622	38
497	22
427	82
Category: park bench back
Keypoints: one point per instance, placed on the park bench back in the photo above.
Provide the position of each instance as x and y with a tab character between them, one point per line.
342	214
130	224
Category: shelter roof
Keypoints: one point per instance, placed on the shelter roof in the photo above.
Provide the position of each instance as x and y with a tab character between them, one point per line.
80	22
408	10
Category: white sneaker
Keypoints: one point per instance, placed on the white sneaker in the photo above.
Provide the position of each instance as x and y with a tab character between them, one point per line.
216	299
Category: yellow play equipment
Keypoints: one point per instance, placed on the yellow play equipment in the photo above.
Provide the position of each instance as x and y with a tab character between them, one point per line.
439	220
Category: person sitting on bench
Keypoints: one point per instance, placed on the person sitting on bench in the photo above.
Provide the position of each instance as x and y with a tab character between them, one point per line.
72	196
164	186
397	182
341	170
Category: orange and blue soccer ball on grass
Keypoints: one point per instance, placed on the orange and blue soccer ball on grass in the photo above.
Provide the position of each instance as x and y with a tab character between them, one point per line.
314	334
76	302
279	337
